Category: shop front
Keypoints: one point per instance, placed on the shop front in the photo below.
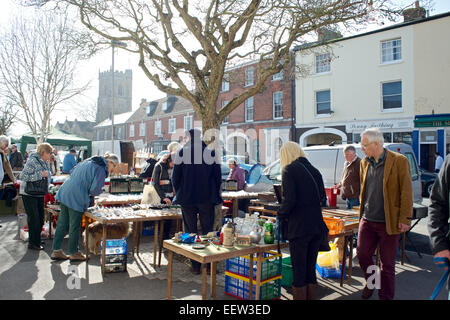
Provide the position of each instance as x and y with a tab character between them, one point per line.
431	134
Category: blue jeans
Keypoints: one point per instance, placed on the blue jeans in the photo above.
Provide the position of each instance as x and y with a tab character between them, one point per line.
352	203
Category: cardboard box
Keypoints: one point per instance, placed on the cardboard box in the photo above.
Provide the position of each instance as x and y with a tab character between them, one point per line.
121	169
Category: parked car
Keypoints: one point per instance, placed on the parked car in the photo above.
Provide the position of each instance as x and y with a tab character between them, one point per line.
427	178
329	160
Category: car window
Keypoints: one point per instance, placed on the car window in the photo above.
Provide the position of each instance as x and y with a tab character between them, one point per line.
412	164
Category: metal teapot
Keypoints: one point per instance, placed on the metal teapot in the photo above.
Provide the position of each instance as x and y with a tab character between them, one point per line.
255	234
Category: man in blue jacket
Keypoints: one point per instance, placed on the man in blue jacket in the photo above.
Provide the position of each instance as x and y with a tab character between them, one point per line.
76	195
196	179
69	162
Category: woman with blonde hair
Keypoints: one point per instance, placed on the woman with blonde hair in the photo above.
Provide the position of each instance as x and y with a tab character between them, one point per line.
301	211
36	168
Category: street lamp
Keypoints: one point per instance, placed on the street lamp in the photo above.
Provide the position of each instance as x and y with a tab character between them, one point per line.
114	43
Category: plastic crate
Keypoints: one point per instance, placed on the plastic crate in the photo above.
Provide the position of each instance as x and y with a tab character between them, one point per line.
330	272
271	265
116	267
287	275
115	246
148	228
238	287
335	225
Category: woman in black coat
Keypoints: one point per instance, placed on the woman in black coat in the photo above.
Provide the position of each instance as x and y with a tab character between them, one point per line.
303	190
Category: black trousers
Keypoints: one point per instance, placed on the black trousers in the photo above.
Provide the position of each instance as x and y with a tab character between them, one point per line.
206	215
304	251
34	207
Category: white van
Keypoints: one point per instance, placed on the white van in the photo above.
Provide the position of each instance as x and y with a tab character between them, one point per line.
329	160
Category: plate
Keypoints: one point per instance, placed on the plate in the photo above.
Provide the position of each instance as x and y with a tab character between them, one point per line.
199	246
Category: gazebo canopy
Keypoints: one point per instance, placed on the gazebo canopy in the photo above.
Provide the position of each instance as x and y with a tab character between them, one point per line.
57	137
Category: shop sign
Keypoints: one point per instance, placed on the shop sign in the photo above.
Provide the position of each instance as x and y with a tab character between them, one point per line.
431	123
382	125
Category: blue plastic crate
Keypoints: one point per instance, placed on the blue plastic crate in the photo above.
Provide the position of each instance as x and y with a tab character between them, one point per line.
148	228
271	266
115	246
330	272
238	287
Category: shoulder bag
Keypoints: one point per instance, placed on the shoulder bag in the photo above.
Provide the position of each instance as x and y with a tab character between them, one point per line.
37	188
324	246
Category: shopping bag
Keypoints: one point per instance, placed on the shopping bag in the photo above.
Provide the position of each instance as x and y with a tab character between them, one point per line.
329	259
150	195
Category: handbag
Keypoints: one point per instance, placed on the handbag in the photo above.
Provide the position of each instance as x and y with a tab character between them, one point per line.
37	188
324	245
150	195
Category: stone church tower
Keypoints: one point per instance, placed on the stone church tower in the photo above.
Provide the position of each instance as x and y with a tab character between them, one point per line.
122	97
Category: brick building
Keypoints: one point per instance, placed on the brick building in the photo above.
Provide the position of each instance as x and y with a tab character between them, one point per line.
263	122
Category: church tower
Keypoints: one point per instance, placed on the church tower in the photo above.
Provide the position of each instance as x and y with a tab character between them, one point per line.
122	93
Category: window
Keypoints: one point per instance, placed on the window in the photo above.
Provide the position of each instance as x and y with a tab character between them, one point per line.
119	133
403	137
172	125
278	76
277	101
323	62
141	129
249	109
187	123
387	137
227	118
323	102
158	128
164	106
147	111
120	91
412	164
225	83
105	134
131	130
391	50
249	76
392	95
277	147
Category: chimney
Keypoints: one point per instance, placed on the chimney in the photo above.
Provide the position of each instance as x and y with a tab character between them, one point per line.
324	34
415	13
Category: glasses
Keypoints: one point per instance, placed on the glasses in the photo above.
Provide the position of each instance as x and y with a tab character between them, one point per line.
364	146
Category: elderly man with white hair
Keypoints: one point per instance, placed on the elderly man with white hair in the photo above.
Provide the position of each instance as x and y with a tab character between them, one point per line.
386	206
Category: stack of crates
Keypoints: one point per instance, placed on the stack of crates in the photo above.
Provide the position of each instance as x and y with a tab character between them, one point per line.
237	280
116	255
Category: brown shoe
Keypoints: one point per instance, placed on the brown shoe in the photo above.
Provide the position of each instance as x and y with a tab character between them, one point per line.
367	293
299	293
311	292
58	255
77	257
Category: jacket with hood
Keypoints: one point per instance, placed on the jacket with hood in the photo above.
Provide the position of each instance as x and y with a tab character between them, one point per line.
86	180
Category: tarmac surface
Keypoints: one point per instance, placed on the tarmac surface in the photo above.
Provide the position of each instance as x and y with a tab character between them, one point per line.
32	275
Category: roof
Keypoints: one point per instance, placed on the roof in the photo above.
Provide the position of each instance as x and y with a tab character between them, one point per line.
118	119
175	105
395	26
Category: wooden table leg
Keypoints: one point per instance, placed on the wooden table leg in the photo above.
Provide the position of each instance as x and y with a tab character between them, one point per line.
161	236
350	260
258	275
213	280
155	243
104	249
135	231
169	275
140	223
86	241
235	208
343	261
250	278
204	280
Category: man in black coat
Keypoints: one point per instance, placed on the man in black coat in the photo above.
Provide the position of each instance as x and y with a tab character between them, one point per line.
439	214
15	159
196	179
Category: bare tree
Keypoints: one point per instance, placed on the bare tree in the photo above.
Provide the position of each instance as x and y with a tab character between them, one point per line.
39	56
7	117
180	42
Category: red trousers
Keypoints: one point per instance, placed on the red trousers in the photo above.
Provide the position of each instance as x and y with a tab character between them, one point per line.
371	234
